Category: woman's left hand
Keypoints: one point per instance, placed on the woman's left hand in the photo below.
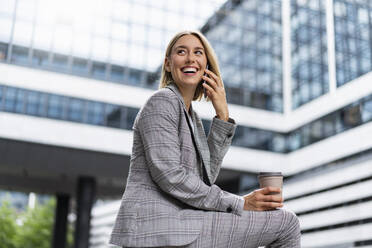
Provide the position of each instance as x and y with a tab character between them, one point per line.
216	92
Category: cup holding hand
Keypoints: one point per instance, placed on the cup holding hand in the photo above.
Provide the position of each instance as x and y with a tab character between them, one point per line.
268	198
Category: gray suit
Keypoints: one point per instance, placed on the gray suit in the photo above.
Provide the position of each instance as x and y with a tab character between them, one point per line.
166	201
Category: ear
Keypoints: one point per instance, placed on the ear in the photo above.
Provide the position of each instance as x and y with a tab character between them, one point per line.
167	65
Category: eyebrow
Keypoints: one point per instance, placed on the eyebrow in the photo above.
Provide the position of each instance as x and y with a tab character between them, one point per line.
196	48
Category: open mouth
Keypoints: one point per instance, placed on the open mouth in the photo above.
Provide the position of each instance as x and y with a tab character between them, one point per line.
189	70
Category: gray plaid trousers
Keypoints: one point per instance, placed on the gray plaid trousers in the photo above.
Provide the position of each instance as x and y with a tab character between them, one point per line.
274	229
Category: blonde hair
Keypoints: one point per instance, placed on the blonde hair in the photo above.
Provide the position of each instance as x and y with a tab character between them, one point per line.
166	77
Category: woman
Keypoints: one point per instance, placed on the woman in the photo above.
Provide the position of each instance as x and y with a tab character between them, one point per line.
170	199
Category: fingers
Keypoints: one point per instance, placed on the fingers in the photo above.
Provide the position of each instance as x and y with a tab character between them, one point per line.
212	87
263	206
208	87
210	90
270	198
270	190
214	76
269	205
261	199
213	79
210	83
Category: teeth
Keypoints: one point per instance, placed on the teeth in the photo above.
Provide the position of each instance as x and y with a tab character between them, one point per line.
189	69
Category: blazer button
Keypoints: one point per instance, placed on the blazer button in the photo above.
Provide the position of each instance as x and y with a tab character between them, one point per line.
229	135
229	210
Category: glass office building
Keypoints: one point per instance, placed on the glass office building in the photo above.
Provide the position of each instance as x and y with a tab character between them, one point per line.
353	39
251	52
309	51
296	74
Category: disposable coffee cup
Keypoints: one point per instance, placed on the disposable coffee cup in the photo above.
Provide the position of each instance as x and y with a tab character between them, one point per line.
273	179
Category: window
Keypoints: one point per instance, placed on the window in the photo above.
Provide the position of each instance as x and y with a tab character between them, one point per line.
99	70
353	43
367	110
294	141
95	113
3	51
263	139
309	56
134	77
79	66
234	95
278	143
20	55
316	131
55	106
329	125
259	100
34	104
10	99
305	135
1	97
75	110
352	116
131	116
20	101
117	73
113	115
60	62
40	58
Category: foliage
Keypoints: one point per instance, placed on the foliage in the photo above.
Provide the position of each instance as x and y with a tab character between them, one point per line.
35	230
37	227
8	227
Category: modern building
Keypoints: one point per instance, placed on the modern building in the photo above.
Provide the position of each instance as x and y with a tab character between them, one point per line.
297	75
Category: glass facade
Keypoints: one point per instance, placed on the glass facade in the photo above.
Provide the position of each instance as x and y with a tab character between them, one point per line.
250	53
350	116
353	37
112	42
28	102
309	51
108	41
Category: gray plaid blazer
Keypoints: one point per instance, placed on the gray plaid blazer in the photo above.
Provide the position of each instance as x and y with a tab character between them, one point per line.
166	197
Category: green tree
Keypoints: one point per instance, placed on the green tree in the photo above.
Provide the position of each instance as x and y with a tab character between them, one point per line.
8	227
37	228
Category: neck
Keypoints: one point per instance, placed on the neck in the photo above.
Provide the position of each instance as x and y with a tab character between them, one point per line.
187	94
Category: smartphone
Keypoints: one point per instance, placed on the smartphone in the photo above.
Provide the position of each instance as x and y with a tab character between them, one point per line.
204	90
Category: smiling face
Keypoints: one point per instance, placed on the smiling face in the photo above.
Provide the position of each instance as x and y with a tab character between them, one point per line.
187	61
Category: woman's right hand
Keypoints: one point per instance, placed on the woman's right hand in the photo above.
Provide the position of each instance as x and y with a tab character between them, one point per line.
261	200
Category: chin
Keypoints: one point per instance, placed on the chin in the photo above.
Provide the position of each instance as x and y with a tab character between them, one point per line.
190	83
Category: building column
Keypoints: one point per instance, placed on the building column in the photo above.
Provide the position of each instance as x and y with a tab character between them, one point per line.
85	198
60	221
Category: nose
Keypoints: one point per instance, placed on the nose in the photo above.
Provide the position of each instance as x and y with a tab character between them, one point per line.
191	58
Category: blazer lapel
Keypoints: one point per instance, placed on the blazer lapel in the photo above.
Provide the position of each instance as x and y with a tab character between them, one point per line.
198	134
202	144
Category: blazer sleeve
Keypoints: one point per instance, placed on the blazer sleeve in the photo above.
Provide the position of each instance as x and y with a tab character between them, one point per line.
158	127
219	140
